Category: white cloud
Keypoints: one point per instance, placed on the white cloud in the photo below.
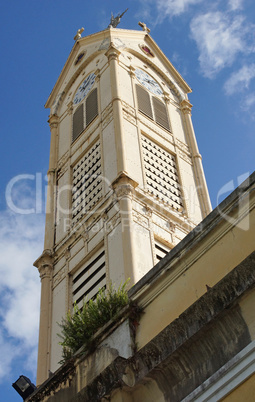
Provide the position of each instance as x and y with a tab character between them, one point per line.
235	4
172	8
240	80
249	101
21	242
248	105
8	352
219	38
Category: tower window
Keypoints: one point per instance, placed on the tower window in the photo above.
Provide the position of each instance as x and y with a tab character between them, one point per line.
144	103
89	278
78	122
87	183
91	107
160	113
152	107
91	112
161	174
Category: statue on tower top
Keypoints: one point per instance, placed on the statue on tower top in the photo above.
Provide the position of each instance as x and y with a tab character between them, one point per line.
116	20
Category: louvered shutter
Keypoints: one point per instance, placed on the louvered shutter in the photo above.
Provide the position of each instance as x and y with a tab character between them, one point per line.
144	103
78	122
160	113
89	279
91	107
161	250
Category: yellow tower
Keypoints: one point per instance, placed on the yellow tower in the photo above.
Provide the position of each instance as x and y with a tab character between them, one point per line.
125	179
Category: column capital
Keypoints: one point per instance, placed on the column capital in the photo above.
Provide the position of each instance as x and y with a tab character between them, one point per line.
67	254
124	185
44	264
186	106
98	75
53	121
70	108
132	71
166	97
112	53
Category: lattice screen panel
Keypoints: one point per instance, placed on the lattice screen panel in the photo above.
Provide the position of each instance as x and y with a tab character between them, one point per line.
89	278
87	183
161	250
161	174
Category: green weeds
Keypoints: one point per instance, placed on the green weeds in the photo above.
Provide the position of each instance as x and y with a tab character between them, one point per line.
78	328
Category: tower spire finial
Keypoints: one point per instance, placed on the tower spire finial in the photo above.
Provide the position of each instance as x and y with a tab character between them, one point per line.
78	35
144	26
116	20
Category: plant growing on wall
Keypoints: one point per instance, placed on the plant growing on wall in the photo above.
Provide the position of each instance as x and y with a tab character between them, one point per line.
78	328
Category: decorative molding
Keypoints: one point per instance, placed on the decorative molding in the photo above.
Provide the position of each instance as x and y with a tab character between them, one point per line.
67	254
140	219
183	151
62	165
113	223
98	75
166	97
129	113
153	127
83	138
61	274
172	226
70	106
107	115
85	235
181	145
132	71
148	211
164	228
184	156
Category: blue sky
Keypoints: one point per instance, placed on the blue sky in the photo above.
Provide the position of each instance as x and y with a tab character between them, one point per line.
210	43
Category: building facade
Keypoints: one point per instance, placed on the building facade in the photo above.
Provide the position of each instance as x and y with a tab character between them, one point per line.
196	337
125	179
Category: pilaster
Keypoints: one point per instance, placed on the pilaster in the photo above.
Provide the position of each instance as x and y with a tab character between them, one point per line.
113	59
49	221
124	187
197	159
45	267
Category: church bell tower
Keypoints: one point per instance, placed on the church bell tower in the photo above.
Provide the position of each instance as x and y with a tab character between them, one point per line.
125	179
